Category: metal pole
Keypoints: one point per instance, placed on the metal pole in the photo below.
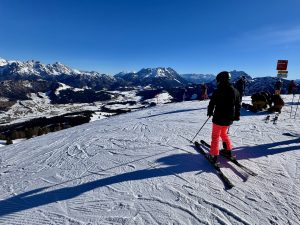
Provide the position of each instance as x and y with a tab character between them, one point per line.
200	128
297	107
292	106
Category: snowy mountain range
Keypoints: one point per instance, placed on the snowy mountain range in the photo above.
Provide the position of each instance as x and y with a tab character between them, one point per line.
139	168
160	77
59	84
156	77
58	72
198	78
37	69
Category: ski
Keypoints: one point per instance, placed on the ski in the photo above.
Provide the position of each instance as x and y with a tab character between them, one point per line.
275	119
225	180
267	119
234	161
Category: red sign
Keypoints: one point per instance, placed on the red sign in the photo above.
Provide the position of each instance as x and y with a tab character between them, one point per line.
282	64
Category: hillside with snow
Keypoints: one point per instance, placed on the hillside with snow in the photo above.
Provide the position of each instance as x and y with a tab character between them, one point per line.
138	168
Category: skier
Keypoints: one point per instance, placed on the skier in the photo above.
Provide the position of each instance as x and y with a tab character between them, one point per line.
204	91
240	85
224	106
292	87
278	86
278	104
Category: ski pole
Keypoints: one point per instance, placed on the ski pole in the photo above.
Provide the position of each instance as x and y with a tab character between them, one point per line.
292	106
200	128
297	107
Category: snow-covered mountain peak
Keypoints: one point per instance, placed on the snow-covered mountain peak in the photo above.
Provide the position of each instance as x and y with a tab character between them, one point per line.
36	68
237	74
59	68
3	62
157	72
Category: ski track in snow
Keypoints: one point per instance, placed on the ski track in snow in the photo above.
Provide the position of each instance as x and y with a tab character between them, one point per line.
137	168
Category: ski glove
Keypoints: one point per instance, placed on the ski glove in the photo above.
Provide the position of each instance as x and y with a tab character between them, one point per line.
209	114
236	118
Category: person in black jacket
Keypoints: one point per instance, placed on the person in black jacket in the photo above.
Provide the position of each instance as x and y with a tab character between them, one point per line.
240	85
224	106
278	86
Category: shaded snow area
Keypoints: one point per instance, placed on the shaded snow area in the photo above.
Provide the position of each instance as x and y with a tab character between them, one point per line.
137	168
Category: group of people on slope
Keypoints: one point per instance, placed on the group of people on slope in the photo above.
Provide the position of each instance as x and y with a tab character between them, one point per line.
291	87
265	101
224	108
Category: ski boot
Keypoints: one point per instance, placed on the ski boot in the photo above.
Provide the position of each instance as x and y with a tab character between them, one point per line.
213	159
225	152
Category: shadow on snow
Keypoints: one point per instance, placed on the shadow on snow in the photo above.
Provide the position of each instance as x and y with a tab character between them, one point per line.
171	112
258	151
177	164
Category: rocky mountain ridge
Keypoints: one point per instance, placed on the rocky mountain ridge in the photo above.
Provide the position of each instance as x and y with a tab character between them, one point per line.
34	76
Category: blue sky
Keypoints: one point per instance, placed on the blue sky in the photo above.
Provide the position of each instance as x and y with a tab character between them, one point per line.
191	36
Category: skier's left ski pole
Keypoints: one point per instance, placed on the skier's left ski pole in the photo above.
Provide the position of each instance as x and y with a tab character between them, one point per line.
228	130
297	107
200	128
292	106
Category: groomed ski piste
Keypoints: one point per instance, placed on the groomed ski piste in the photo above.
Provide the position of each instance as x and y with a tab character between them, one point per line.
137	168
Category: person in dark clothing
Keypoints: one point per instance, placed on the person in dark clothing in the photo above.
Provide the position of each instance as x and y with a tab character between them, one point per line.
278	86
292	87
225	107
260	102
268	97
240	85
204	91
277	104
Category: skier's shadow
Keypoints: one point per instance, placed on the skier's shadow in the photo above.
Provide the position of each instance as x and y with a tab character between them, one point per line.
225	164
257	151
172	112
177	164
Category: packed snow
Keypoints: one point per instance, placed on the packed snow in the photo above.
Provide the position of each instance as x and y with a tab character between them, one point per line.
138	168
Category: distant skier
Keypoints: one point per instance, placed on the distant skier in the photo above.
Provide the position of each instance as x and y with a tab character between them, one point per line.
184	95
278	86
240	85
292	87
224	106
204	91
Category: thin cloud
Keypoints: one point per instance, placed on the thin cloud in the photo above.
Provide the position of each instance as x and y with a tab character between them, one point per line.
270	36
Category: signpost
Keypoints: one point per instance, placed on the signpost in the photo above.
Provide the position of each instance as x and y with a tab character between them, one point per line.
282	64
282	68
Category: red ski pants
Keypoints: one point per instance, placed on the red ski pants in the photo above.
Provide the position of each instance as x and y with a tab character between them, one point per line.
217	132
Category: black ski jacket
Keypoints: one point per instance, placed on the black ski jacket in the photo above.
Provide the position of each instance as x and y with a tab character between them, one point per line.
224	105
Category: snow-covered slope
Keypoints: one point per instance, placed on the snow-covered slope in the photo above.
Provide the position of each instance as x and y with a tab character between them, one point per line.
136	168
